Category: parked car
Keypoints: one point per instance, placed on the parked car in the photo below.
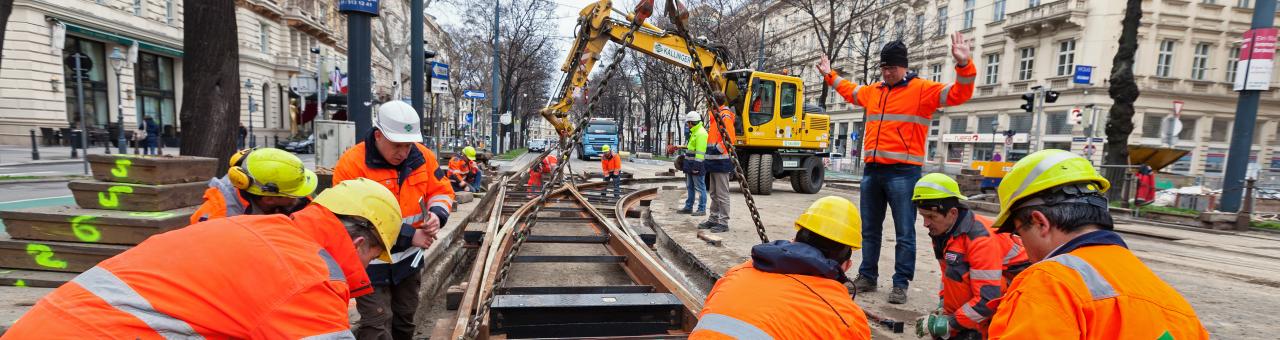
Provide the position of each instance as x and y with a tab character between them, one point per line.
304	146
538	145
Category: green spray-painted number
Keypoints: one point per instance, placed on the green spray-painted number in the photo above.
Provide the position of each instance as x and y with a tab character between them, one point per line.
85	232
122	168
20	283
112	200
156	215
44	256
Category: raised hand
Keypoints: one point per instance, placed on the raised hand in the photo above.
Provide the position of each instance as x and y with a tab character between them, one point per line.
824	65
960	49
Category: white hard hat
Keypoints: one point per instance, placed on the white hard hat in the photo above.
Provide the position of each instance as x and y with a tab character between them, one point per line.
692	116
399	122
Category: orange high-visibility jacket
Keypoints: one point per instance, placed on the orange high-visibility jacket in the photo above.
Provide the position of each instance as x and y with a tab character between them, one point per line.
243	277
976	266
751	304
898	116
611	164
418	193
221	199
460	167
1093	287
717	157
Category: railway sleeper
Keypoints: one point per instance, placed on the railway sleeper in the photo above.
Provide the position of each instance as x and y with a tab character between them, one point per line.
585	315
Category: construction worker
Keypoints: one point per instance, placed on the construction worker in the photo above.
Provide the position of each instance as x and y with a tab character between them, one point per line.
259	181
899	110
464	175
243	277
719	166
392	154
611	167
1086	284
694	167
792	289
976	262
545	166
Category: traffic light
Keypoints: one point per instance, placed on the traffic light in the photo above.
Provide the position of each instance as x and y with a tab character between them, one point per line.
1030	98
1009	133
1050	96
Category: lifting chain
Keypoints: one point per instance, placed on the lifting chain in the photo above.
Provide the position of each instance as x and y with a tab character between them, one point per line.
558	178
705	84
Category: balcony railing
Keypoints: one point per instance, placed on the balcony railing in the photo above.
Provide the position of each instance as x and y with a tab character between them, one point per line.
1051	15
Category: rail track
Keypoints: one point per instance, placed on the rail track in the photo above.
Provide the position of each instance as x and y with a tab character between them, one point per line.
577	270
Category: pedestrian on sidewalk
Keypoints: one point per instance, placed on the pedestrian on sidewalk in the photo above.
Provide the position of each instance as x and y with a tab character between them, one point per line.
694	165
976	262
242	133
611	167
1086	283
153	136
792	289
718	165
392	154
245	277
899	109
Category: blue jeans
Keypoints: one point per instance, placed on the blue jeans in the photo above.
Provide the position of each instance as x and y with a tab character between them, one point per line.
695	186
476	184
889	185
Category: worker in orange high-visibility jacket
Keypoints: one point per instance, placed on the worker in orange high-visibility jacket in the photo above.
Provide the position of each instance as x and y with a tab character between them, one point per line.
464	175
392	154
242	277
792	289
898	112
611	168
1087	284
259	181
538	170
976	262
719	166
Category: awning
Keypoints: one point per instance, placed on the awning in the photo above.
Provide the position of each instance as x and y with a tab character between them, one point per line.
1156	158
122	40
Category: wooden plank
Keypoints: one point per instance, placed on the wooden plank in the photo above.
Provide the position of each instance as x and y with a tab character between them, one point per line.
54	256
71	224
136	197
33	278
154	170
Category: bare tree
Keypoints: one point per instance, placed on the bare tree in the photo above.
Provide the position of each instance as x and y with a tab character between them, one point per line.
1124	91
391	39
211	107
832	24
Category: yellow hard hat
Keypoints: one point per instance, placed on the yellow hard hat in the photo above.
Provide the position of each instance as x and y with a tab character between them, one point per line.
367	199
1041	171
271	172
470	152
936	186
604	148
834	218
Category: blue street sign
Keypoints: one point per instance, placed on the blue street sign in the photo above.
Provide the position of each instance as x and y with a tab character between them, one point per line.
470	118
1084	74
439	70
362	6
853	135
473	94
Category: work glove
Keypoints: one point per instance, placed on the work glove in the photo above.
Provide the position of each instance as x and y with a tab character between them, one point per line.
934	325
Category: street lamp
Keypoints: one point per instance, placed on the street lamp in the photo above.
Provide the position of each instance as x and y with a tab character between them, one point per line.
995	126
248	91
118	61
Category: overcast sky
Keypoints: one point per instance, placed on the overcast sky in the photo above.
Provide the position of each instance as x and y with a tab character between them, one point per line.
566	16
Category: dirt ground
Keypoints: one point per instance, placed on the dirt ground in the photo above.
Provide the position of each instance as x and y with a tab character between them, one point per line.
1232	281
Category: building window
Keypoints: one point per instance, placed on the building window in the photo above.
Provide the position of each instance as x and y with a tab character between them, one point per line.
960	124
1208	2
169	11
997	10
986	124
1066	57
1188	128
1221	129
942	21
935	72
1200	64
156	89
95	83
1018	151
1215	161
137	7
1033	3
1164	60
1026	65
1151	126
1057	124
264	37
993	68
1183	165
919	27
1243	4
983	152
1020	123
1232	61
1058	145
933	151
968	14
955	152
934	126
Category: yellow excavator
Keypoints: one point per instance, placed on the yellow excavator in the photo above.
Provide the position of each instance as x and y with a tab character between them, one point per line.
779	136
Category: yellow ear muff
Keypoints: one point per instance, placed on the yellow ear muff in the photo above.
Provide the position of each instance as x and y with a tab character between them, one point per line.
236	174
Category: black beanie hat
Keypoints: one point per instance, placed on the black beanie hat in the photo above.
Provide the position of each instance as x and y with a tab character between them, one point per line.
894	54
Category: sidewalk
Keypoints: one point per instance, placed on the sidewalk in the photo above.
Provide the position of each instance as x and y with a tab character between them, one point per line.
11	155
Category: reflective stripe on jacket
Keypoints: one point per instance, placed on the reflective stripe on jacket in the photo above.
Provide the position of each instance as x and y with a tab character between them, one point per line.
898	115
460	168
418	190
246	277
1095	289
748	303
717	158
975	264
221	199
